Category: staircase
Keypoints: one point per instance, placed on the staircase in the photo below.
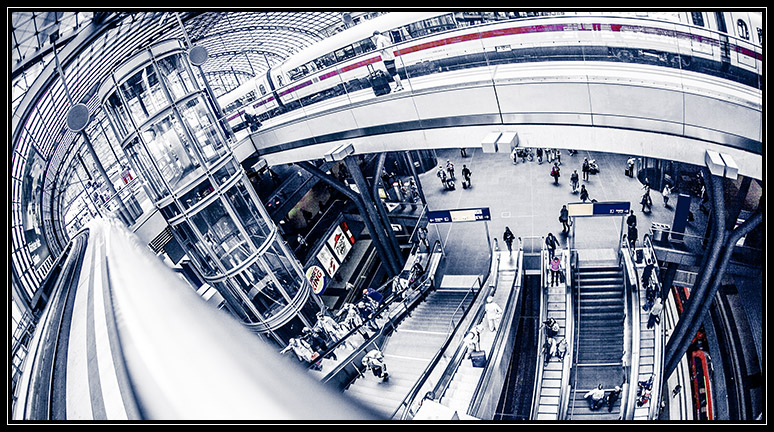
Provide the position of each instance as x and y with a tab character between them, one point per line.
411	347
599	292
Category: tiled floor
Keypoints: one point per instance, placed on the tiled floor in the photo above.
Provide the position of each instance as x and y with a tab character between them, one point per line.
524	197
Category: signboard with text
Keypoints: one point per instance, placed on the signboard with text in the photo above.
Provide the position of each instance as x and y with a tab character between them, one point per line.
459	215
611	208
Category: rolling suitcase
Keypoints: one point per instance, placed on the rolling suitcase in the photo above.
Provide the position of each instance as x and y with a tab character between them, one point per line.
379	80
478	358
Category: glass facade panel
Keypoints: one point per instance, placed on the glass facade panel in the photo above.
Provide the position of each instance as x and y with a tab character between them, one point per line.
222	235
144	95
281	267
226	172
140	159
171	150
204	128
198	193
195	249
261	289
248	214
119	114
176	76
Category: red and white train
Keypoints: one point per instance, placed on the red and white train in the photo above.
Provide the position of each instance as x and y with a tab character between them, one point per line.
727	44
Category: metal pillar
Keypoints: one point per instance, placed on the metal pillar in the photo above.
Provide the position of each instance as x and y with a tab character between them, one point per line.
380	247
379	204
370	207
681	335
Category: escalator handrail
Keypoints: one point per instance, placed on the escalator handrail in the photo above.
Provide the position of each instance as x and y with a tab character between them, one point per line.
497	343
631	295
541	334
569	332
658	347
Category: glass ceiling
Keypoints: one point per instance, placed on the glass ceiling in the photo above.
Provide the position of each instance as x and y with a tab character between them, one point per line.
241	44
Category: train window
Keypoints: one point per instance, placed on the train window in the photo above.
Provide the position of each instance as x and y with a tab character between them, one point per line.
262	89
760	35
741	29
697	18
721	20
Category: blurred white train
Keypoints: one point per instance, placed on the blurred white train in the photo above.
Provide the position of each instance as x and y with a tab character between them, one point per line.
726	44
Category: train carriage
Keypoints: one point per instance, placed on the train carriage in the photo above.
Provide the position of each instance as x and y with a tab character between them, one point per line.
725	43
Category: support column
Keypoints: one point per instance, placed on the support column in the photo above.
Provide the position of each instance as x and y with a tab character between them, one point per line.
393	242
681	335
370	207
361	208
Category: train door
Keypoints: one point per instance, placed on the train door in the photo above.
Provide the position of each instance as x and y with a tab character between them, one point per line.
744	31
699	44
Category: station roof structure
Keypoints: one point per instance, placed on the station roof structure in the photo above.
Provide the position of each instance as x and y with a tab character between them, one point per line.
89	44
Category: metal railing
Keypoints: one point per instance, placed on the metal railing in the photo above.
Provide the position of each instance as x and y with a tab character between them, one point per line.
631	297
659	339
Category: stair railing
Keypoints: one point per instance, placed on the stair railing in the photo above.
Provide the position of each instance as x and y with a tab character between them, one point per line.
574	372
471	291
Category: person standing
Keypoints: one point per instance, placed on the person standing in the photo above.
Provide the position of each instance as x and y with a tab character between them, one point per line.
655	313
450	169
612	397
473	341
584	194
508	238
493	313
574	180
551	244
646	202
630	167
555	173
382	44
564	218
585	169
556	271
441	174
463	152
466	174
539	153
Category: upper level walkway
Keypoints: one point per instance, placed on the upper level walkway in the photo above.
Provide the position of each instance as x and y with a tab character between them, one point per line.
633	109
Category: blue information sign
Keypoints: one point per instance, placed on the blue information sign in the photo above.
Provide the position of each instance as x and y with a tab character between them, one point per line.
459	215
611	208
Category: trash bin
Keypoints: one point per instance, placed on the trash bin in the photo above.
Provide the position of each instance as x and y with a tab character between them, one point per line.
660	231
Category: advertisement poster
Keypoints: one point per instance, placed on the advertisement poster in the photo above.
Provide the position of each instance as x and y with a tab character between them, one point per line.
317	279
339	243
328	261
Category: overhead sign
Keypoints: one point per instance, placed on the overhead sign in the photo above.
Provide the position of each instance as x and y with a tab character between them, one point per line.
317	279
612	208
459	215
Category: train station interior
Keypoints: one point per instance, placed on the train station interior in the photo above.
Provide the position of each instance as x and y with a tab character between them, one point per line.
381	216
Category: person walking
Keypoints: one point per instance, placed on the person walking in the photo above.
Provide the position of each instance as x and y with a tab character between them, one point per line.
585	168
382	44
655	312
631	220
564	218
472	341
549	349
631	236
539	154
561	349
493	313
665	193
374	361
556	271
552	327
584	194
450	169
555	173
630	167
551	244
441	174
646	202
422	238
508	238
574	180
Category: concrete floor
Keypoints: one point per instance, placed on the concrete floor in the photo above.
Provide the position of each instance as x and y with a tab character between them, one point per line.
524	197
